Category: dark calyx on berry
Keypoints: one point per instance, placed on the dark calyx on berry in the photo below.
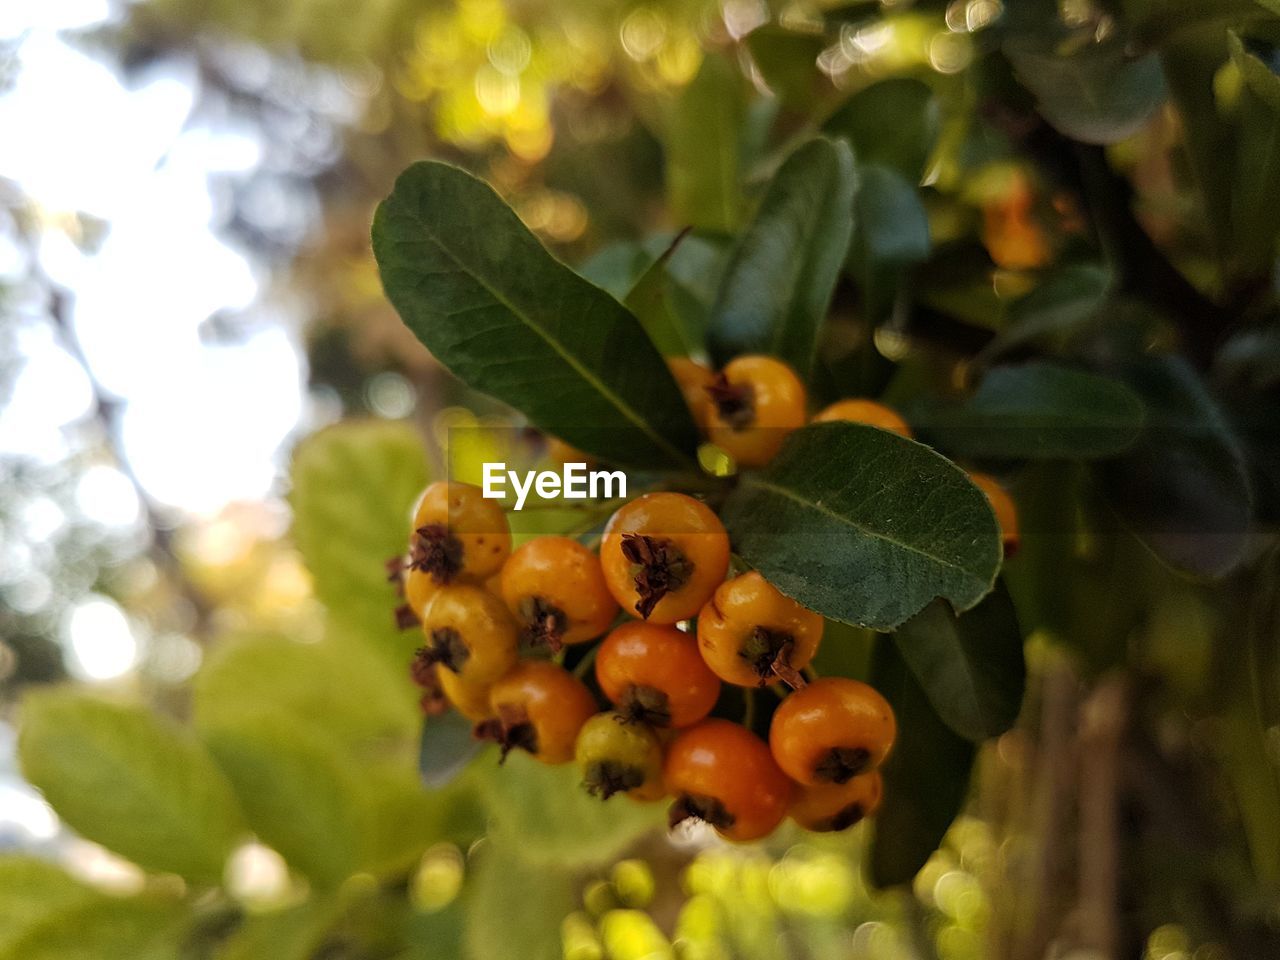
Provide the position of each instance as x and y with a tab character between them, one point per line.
395	568
689	806
662	568
735	403
842	764
510	730
423	670
544	624
769	653
643	704
436	551
604	778
405	617
446	647
842	819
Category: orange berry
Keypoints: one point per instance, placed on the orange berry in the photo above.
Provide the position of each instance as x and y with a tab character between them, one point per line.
1005	510
865	411
754	405
458	533
539	707
832	730
751	634
555	589
654	674
837	806
470	633
663	555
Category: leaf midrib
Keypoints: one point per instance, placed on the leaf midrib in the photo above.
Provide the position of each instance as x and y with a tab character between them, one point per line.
846	521
555	345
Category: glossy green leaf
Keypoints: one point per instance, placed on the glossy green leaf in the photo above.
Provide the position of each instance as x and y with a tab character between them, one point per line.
779	282
131	781
970	666
507	318
1183	488
1037	411
704	148
353	487
34	892
891	233
545	813
446	747
511	901
300	796
653	300
865	526
106	929
1097	93
1067	302
1255	192
892	123
926	777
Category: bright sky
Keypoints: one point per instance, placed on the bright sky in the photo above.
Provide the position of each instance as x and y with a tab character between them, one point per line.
203	422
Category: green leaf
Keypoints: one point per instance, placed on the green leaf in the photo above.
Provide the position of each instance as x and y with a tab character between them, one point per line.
506	317
446	747
891	233
704	144
970	666
893	123
1255	193
511	901
788	62
300	796
292	934
34	892
776	291
652	300
364	705
1183	488
1097	93
544	812
353	489
105	929
1037	411
1065	303
865	526
131	781
926	777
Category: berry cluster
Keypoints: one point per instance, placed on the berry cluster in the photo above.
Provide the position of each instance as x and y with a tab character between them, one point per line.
500	626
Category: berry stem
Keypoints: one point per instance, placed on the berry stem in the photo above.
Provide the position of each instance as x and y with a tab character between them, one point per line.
584	665
748	708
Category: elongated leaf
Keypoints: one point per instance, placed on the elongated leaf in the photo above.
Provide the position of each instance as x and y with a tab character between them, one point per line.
446	747
34	892
1067	302
498	310
299	794
970	666
891	232
775	294
704	148
292	934
511	901
652	300
1255	193
353	488
1038	411
130	781
105	929
1098	93
788	61
1183	488
865	526
893	123
363	705
926	777
544	813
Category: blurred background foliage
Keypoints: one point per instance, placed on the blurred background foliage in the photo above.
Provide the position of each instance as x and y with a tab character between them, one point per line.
186	291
